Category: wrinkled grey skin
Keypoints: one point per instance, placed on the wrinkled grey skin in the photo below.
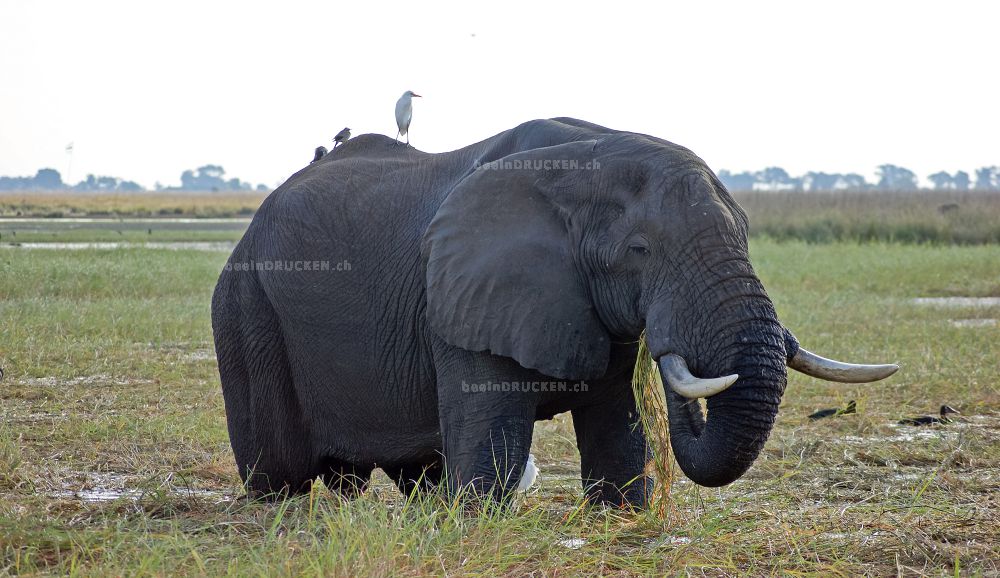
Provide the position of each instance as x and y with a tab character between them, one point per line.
443	276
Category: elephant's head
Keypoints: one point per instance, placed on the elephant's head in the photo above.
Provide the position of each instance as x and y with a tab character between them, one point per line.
549	255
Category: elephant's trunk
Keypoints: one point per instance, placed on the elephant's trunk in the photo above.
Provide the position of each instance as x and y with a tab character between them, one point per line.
717	450
724	326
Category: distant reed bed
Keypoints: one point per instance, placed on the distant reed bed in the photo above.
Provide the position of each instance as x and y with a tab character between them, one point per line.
938	217
146	204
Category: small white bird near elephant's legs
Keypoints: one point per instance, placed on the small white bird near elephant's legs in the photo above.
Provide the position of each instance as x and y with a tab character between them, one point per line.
529	475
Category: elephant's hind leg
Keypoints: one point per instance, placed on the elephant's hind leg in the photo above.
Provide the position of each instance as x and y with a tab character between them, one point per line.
267	429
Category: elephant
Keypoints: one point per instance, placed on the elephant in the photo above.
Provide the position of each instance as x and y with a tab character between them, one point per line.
419	312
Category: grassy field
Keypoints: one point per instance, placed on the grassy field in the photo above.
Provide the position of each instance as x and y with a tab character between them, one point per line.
149	204
120	230
114	457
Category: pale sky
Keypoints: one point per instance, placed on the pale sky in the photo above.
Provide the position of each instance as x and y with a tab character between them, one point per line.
146	90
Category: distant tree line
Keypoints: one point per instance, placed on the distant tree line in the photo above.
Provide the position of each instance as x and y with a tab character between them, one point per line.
205	178
211	178
890	178
51	180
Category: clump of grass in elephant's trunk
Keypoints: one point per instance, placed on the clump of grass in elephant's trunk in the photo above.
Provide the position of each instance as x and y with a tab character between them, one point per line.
650	402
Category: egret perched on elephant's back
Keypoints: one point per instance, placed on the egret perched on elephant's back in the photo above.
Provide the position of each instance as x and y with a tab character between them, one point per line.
404	114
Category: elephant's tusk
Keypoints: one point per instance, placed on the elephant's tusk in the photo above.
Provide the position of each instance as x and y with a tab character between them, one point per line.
677	375
816	366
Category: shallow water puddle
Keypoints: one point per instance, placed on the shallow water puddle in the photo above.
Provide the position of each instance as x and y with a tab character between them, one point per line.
668	541
908	433
956	301
110	495
861	536
915	433
35	417
100	378
98	495
572	543
111	486
200	355
972	323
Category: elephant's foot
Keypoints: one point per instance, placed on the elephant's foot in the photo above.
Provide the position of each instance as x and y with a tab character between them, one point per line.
613	450
493	470
423	477
348	480
271	482
629	495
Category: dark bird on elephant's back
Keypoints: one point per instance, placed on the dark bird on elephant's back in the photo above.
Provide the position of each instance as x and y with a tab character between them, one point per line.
342	137
941	418
851	407
483	301
318	154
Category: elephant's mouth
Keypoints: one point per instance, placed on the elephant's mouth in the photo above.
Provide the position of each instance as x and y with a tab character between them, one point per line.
678	377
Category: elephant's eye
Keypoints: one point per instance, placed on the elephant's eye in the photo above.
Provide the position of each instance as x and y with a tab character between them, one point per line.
637	249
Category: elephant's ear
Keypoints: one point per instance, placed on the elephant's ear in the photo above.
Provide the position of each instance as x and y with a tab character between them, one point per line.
501	275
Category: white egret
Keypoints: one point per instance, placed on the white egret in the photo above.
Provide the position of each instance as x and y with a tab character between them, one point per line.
529	476
404	113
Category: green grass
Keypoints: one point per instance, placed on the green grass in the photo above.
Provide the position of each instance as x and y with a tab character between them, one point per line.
111	385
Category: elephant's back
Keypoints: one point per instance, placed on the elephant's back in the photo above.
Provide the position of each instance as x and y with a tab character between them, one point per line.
336	251
361	216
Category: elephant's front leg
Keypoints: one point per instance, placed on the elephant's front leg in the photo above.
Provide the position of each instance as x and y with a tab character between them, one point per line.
486	420
613	450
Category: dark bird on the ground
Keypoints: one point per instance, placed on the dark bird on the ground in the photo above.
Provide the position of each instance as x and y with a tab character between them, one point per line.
942	417
320	153
849	408
342	137
1	374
